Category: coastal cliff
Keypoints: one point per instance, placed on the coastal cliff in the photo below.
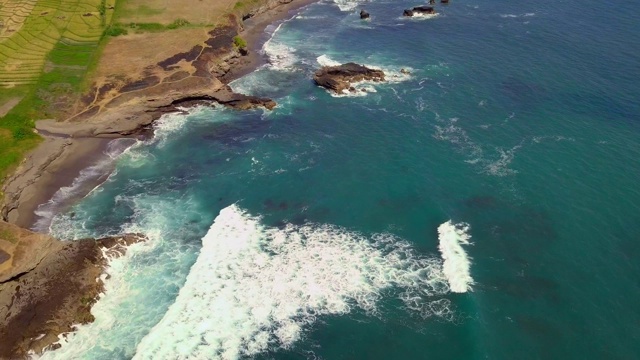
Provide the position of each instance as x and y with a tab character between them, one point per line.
47	285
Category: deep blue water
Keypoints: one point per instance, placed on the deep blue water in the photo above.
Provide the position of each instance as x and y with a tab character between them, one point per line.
520	119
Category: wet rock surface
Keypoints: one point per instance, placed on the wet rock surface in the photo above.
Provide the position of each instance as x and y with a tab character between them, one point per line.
47	286
339	79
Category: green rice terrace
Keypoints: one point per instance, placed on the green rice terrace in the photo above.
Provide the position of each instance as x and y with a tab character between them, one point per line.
46	48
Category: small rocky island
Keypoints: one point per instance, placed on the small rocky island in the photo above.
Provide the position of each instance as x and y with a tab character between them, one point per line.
420	10
339	79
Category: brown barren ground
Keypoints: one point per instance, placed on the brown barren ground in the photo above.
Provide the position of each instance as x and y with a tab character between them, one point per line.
166	11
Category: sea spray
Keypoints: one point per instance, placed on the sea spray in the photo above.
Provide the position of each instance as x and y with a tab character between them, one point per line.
456	261
255	288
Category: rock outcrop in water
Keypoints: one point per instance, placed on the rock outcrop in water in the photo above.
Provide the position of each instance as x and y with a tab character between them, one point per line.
364	14
47	286
339	78
420	10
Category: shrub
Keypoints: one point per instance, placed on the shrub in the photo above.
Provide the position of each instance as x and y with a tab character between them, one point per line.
178	23
239	42
115	30
21	133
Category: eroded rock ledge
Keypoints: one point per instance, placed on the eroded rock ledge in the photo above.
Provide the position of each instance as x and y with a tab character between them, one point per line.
47	285
339	79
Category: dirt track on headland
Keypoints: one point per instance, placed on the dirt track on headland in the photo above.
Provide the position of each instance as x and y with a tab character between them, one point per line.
115	108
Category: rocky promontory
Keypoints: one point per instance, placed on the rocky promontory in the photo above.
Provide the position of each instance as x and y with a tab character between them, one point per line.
339	79
47	286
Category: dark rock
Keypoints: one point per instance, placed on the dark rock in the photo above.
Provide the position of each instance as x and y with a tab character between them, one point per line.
422	10
339	78
444	1
432	2
49	286
364	14
227	97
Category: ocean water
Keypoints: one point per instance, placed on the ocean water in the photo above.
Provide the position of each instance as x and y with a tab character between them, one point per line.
484	206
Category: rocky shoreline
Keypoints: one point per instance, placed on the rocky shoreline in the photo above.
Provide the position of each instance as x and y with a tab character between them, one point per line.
47	286
128	109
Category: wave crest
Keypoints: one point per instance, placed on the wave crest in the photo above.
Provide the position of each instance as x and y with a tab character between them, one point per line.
456	261
255	288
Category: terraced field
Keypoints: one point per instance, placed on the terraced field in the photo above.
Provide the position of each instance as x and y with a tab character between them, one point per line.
46	48
33	28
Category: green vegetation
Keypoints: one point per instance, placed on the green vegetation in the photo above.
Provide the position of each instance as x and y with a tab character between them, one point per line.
102	10
178	23
115	30
244	5
8	235
118	29
45	63
239	42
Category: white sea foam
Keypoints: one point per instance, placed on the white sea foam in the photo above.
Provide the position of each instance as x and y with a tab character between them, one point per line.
280	56
346	5
456	261
136	284
517	16
98	172
452	132
255	288
420	16
325	60
500	166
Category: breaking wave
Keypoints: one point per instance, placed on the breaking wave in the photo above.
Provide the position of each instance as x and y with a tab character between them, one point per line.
280	57
346	5
456	261
90	176
254	288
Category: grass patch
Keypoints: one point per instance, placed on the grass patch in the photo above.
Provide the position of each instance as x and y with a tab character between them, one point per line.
118	29
178	23
242	6
239	42
115	30
9	236
146	27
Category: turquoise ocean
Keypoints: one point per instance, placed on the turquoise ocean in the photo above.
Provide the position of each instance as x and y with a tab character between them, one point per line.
484	206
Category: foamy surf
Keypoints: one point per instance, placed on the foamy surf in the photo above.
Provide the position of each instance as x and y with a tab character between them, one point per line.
346	5
140	284
254	288
456	261
280	56
420	16
94	174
